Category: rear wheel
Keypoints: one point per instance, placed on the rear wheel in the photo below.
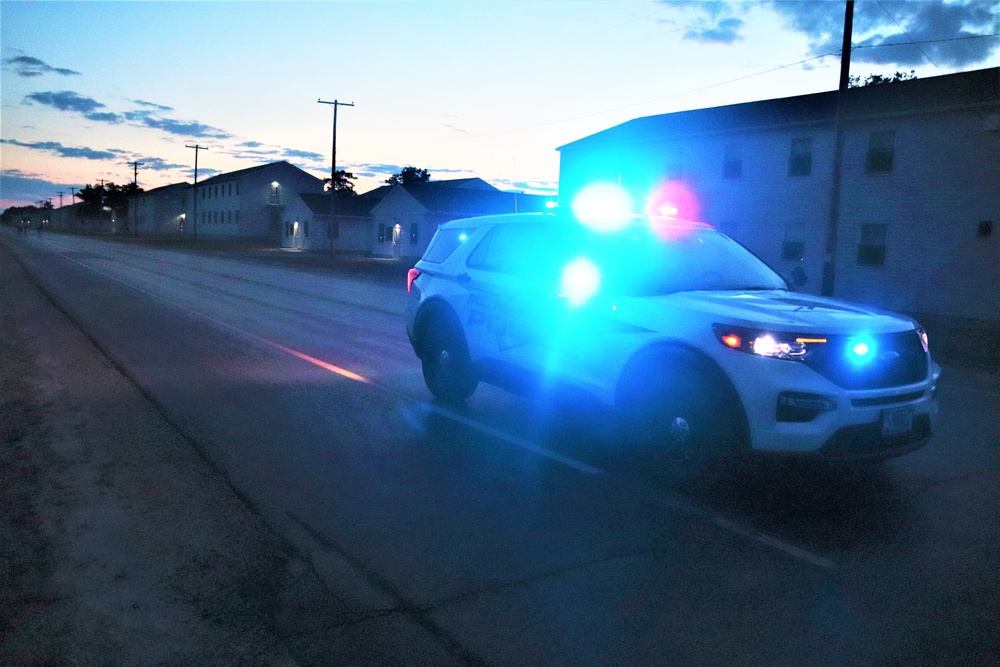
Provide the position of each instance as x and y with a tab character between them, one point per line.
448	371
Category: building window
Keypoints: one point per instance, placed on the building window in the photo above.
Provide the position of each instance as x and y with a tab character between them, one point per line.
881	151
732	164
414	233
793	251
237	217
381	232
801	159
871	250
305	229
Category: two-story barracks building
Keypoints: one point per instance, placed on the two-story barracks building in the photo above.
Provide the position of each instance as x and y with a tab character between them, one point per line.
919	200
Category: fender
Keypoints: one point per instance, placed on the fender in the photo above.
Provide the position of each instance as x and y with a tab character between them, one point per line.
687	360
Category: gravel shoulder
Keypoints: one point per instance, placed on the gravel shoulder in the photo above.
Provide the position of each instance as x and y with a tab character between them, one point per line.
120	544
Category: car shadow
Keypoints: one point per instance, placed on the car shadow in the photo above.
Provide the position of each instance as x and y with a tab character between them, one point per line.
830	506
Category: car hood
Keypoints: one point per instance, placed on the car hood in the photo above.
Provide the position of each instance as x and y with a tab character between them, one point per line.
784	311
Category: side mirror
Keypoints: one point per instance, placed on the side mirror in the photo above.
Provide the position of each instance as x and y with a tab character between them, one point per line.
797	277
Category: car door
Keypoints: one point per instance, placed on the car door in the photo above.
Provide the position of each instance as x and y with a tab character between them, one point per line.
517	315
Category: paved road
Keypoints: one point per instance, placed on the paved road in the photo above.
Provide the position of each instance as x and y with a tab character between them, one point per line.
512	534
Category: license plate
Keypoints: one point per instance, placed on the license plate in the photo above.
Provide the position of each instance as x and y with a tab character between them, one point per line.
897	420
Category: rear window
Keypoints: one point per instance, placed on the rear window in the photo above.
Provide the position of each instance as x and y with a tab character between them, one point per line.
444	243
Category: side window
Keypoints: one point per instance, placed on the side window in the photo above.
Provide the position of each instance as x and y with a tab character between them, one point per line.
732	164
527	251
800	159
871	250
881	152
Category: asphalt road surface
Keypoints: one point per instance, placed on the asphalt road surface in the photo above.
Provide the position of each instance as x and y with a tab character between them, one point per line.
508	532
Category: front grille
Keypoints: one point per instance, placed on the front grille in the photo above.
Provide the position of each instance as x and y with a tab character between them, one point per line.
886	400
868	439
895	360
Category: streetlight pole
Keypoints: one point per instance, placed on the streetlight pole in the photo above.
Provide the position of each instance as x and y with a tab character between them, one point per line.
333	168
194	191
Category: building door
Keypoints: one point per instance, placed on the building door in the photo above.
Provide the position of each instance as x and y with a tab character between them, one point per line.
397	233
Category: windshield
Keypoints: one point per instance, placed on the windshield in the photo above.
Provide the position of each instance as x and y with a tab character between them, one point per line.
642	259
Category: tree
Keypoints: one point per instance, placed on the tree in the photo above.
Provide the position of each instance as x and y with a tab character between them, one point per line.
343	187
409	175
97	199
878	79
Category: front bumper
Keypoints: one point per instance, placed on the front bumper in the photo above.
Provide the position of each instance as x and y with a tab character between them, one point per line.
852	424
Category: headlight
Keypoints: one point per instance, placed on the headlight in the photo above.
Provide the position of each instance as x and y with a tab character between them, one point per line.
766	343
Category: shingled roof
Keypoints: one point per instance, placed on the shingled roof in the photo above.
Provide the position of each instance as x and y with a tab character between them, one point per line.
319	204
470	196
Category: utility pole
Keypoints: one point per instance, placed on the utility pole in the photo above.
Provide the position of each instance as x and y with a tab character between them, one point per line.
829	266
135	195
333	168
194	223
62	213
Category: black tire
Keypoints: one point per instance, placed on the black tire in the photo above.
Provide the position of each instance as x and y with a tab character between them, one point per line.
681	414
448	371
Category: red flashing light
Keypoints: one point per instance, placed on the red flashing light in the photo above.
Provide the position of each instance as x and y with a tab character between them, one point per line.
411	275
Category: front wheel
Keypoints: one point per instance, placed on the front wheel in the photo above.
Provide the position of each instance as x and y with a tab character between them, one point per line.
681	418
448	371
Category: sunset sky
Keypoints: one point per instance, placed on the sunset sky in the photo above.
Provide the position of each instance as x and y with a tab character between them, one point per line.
473	88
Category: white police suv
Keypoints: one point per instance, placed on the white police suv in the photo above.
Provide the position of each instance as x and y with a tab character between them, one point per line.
698	344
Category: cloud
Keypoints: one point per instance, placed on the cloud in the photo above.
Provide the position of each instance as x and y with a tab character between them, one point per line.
67	100
28	67
293	154
949	34
713	22
68	151
725	31
23	189
152	105
185	128
159	164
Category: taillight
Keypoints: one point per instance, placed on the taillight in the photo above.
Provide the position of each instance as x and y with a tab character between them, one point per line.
411	275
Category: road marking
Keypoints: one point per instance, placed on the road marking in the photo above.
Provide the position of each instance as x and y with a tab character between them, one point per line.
672	500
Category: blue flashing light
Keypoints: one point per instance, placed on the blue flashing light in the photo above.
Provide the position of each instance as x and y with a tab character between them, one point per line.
580	281
860	350
604	207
